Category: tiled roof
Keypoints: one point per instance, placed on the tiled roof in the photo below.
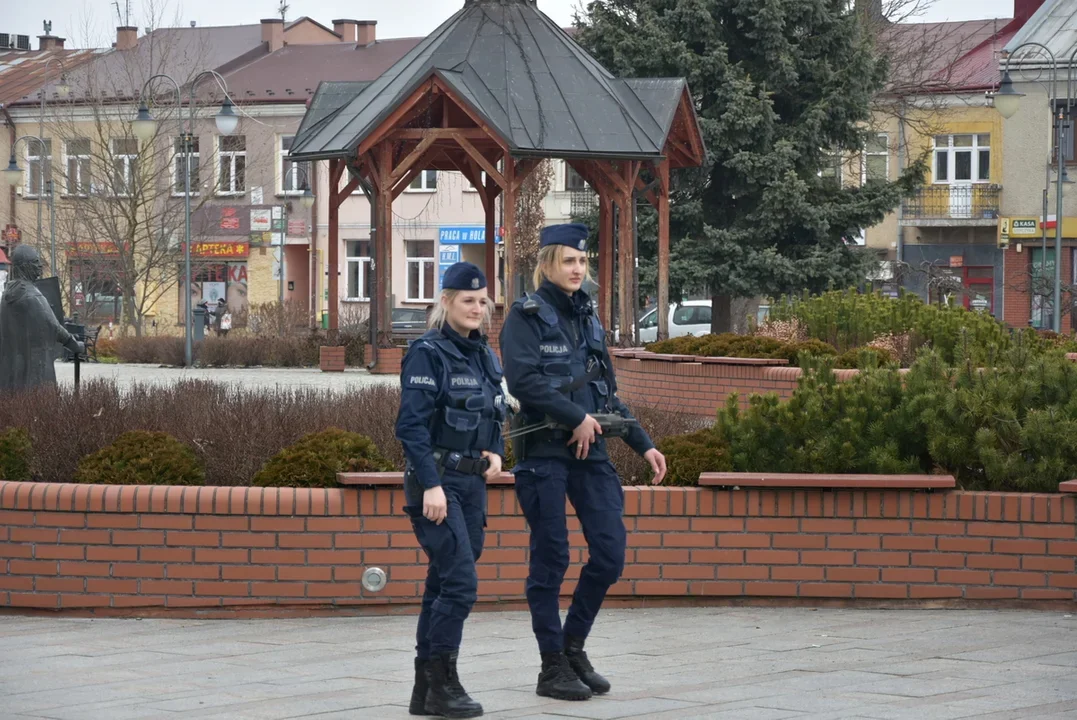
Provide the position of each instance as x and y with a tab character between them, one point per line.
23	73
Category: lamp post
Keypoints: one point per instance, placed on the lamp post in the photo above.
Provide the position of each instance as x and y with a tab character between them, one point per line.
307	201
46	160
1008	101
13	176
145	127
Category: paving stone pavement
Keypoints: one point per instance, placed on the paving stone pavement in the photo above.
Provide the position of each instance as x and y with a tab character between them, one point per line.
127	375
728	663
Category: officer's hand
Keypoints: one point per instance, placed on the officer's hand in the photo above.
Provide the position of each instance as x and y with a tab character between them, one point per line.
584	435
435	507
495	465
658	464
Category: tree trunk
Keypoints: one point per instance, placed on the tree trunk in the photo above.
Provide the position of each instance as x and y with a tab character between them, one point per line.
721	314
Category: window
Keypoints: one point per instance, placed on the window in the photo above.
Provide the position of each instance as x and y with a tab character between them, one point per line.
293	175
1042	283
124	165
38	164
692	315
360	280
573	181
180	168
877	159
78	167
649	320
232	150
421	277
426	181
962	158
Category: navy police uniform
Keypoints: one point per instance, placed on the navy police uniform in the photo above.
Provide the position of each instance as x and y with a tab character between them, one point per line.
558	366
451	409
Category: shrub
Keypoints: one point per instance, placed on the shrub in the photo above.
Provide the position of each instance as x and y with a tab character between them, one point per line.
142	458
244	350
687	456
740	346
15	454
867	357
316	459
151	350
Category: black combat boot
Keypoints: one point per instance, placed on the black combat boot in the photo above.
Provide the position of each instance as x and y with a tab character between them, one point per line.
557	679
577	659
418	692
445	695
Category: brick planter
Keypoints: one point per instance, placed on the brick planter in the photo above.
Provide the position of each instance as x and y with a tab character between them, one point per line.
331	359
109	549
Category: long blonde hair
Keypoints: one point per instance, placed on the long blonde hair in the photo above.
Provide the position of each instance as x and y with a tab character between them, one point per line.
548	258
440	314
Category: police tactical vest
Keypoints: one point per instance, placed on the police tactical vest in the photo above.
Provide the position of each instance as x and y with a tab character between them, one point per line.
567	359
470	406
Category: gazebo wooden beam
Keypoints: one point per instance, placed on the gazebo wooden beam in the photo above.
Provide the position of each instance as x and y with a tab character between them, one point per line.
601	185
406	164
482	161
662	206
397	116
438	133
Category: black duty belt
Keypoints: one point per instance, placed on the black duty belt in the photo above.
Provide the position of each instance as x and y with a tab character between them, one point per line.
452	460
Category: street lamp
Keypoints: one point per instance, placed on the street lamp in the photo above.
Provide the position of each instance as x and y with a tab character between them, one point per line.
1008	101
46	159
144	127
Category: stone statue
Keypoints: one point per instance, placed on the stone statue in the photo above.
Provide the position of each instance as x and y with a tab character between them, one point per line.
30	334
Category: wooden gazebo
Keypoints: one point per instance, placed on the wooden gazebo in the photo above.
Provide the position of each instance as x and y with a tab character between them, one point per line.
491	92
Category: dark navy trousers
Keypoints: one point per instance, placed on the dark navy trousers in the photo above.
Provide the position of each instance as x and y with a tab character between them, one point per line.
595	491
453	547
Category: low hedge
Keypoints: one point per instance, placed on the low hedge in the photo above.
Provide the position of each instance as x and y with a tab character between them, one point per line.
142	458
242	350
316	459
755	346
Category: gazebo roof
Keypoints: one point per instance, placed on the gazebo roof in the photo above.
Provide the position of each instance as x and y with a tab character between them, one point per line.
527	80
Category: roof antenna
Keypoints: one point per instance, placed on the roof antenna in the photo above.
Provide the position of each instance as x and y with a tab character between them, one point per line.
282	9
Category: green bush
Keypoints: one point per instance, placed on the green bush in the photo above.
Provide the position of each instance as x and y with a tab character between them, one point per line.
315	460
687	456
740	346
849	320
864	358
142	458
15	455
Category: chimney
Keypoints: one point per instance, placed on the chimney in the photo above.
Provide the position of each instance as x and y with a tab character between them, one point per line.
126	38
1024	9
50	42
273	33
366	31
347	29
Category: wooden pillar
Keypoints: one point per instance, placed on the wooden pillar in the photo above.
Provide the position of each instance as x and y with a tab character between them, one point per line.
491	245
384	259
509	200
624	272
335	169
605	259
663	249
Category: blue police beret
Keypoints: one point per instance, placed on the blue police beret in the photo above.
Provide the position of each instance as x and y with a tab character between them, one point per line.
573	235
463	276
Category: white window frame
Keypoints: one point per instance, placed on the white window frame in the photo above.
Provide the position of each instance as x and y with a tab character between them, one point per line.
951	158
363	261
422	262
423	180
33	150
569	171
178	168
76	182
295	179
130	166
229	157
884	153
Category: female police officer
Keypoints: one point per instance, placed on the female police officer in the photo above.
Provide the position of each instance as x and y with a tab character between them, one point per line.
451	410
558	368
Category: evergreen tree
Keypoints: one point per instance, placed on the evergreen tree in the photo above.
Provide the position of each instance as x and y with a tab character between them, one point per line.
780	87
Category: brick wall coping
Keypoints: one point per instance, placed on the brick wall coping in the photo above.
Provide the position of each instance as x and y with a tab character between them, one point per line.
824	482
397	479
640	354
1070	486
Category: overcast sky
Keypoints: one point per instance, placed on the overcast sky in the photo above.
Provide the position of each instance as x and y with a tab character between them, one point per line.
78	20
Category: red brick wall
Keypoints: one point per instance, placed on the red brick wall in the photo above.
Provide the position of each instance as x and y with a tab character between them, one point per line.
115	548
1018	302
698	386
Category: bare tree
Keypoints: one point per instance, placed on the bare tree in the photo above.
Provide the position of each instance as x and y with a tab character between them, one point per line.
531	216
120	211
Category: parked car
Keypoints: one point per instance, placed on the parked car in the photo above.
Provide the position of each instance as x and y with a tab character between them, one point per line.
409	321
691	317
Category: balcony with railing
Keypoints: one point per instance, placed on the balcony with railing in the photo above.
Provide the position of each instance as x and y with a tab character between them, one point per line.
952	206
